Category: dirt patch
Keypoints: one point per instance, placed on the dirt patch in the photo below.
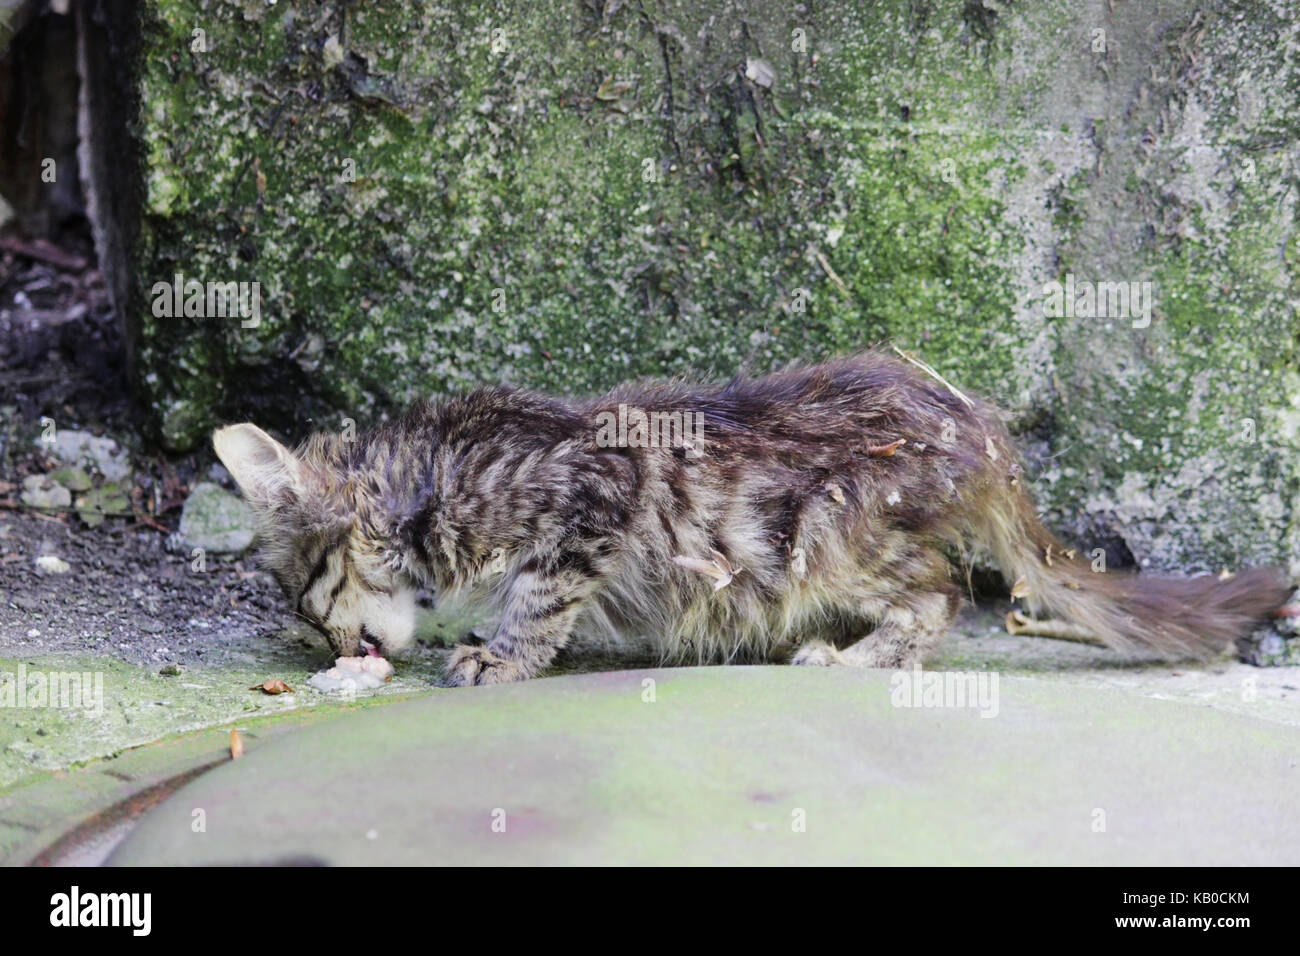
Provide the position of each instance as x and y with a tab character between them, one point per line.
125	595
61	350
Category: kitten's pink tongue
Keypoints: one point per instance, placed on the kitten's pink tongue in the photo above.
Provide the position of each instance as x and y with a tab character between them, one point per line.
372	651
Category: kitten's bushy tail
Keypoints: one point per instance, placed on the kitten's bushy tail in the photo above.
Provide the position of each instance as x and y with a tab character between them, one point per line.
1175	617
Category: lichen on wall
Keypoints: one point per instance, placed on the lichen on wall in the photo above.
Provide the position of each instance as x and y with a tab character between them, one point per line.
568	195
1182	434
560	200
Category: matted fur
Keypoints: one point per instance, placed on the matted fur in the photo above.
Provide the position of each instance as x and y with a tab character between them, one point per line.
849	545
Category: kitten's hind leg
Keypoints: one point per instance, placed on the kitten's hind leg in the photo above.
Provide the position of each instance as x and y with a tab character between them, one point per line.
816	654
908	630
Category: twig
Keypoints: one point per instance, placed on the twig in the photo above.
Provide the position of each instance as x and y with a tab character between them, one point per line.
43	251
939	378
1018	623
145	519
49	513
821	260
8	504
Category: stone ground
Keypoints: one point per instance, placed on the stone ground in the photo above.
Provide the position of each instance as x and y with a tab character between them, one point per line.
752	765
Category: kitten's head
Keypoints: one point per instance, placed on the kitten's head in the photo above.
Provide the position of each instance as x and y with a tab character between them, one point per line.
335	575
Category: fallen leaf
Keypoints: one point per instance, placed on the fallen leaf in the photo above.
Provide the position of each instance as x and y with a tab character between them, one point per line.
835	491
236	744
273	686
1020	589
759	72
613	89
332	52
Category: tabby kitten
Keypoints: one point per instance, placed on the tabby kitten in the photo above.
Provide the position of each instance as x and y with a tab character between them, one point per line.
827	511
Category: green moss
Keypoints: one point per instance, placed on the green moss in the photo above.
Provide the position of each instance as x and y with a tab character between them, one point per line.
438	196
124	705
501	220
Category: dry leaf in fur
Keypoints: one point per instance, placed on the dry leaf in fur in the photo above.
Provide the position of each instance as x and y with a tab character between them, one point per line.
886	451
719	568
798	562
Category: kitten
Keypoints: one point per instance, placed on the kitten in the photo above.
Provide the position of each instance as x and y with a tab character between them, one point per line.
830	508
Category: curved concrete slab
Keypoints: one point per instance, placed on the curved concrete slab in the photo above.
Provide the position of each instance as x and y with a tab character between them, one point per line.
747	765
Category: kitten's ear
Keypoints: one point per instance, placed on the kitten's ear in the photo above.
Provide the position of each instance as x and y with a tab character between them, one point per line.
263	468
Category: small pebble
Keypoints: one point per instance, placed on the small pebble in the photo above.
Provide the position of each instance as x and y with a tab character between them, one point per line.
52	564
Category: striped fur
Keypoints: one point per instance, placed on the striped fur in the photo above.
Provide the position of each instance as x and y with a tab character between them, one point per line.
837	542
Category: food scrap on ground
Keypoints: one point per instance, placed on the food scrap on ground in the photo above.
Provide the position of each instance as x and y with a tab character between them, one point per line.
353	673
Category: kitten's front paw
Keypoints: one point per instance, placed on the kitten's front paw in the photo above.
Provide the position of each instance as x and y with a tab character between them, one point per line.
469	665
816	654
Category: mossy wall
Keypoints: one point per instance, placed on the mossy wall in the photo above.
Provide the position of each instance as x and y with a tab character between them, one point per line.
568	194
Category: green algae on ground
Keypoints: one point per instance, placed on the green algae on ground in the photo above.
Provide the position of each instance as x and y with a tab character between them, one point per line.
68	808
119	705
